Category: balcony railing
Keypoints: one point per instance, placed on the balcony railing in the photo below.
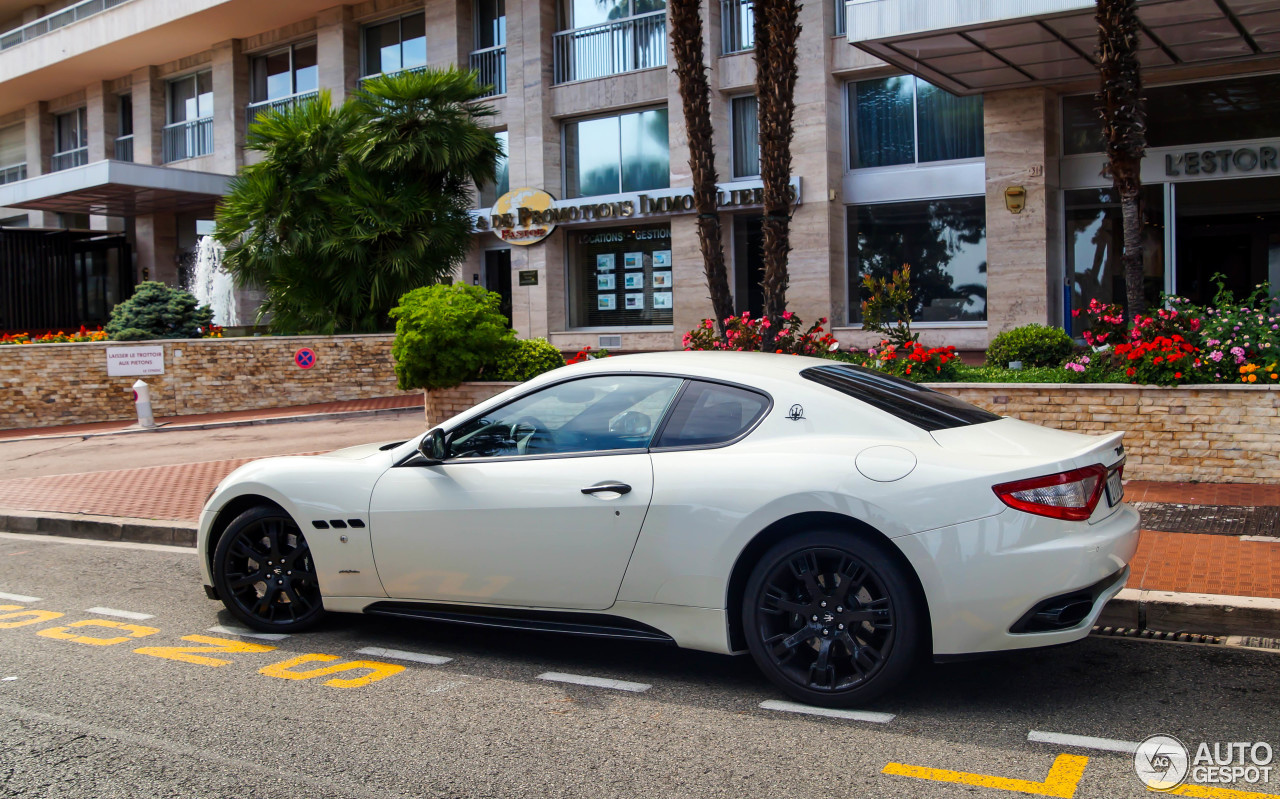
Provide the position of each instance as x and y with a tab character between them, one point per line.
68	158
254	109
124	148
58	19
189	139
611	48
393	72
842	16
737	26
491	65
13	173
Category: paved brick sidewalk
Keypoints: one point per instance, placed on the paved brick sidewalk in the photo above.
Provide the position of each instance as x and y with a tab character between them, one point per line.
98	428
1165	561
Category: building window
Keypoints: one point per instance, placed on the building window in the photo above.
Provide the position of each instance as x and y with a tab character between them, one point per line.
490	193
489	58
396	45
285	73
124	128
70	140
608	155
189	132
904	120
1188	113
745	124
13	154
944	241
1095	237
621	276
597	39
737	26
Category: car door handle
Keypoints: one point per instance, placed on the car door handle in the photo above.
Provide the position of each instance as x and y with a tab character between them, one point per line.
600	488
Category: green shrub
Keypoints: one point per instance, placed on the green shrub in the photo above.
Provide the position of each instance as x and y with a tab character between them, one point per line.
1034	345
158	311
995	374
448	334
529	358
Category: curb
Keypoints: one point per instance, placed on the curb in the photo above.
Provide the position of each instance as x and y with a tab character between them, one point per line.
100	528
170	427
1212	614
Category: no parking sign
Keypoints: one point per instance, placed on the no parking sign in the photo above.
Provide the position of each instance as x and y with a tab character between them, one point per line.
305	358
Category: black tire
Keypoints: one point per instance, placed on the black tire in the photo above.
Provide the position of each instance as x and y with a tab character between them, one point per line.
832	618
264	573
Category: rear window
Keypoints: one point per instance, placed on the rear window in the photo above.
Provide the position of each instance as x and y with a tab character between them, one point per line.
710	413
910	402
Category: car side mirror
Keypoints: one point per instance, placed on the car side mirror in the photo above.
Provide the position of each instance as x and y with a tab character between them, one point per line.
433	446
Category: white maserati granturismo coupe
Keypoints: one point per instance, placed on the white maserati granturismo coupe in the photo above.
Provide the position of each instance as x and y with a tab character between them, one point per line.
835	522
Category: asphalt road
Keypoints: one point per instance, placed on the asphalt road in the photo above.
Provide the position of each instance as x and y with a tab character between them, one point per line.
38	457
95	718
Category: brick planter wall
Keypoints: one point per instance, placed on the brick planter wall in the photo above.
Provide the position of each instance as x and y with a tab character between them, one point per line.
51	384
1213	434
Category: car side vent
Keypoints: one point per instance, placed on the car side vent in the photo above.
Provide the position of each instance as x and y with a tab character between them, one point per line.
356	523
338	524
320	524
609	342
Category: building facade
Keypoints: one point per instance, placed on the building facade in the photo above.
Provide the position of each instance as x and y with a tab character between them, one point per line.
926	133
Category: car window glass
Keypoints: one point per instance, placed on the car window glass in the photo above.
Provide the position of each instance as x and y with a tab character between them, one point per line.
910	402
609	412
709	413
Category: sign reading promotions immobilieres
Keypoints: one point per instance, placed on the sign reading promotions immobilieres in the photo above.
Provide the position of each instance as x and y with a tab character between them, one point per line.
140	360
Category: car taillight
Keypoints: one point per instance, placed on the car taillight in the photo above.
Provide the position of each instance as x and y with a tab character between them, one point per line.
1070	496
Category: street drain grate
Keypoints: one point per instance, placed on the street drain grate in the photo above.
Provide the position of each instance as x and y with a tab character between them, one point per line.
1234	520
1247	641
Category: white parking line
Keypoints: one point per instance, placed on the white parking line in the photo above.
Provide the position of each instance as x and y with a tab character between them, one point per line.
595	682
245	632
124	614
401	654
1083	741
7	679
19	598
852	715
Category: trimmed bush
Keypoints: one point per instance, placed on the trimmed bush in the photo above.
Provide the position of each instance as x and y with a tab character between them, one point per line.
158	311
448	334
1033	344
529	358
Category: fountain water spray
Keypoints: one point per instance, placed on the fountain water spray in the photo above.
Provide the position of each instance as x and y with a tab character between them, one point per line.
212	285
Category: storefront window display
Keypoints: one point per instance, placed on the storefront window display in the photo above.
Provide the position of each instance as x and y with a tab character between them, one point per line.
621	277
1095	238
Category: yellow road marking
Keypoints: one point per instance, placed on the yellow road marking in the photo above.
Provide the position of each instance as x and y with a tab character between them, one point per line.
35	616
183	653
379	671
131	631
1206	792
1061	783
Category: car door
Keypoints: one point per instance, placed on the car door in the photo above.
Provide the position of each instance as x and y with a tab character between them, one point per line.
538	503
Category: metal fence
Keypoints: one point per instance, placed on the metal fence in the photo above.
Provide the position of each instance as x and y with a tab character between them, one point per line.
187	139
367	78
124	148
737	26
58	19
13	173
68	158
611	48
254	109
491	64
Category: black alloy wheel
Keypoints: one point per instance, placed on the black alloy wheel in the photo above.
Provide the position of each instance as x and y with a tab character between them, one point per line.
264	572
832	618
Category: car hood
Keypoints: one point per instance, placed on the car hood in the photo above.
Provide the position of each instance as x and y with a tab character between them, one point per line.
359	451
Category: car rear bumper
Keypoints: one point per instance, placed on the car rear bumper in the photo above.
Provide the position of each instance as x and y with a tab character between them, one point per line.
995	583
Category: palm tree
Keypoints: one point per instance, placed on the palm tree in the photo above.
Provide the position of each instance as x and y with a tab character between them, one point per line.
695	94
352	207
1124	127
777	26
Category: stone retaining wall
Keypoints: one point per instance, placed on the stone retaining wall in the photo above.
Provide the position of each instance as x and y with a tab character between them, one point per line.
1211	434
53	384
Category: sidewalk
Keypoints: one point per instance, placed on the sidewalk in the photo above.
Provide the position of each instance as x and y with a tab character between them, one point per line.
203	421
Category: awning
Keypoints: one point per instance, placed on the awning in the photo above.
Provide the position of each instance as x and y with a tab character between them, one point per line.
117	188
968	47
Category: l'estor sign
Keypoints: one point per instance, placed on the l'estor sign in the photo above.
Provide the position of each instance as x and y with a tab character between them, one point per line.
140	360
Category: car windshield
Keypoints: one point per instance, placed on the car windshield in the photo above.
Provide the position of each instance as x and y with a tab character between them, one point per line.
910	402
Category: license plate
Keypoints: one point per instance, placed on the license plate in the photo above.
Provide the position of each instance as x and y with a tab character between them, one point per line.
1115	488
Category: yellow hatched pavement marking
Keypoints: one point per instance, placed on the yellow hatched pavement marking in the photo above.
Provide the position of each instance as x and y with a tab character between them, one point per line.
1206	792
1061	783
